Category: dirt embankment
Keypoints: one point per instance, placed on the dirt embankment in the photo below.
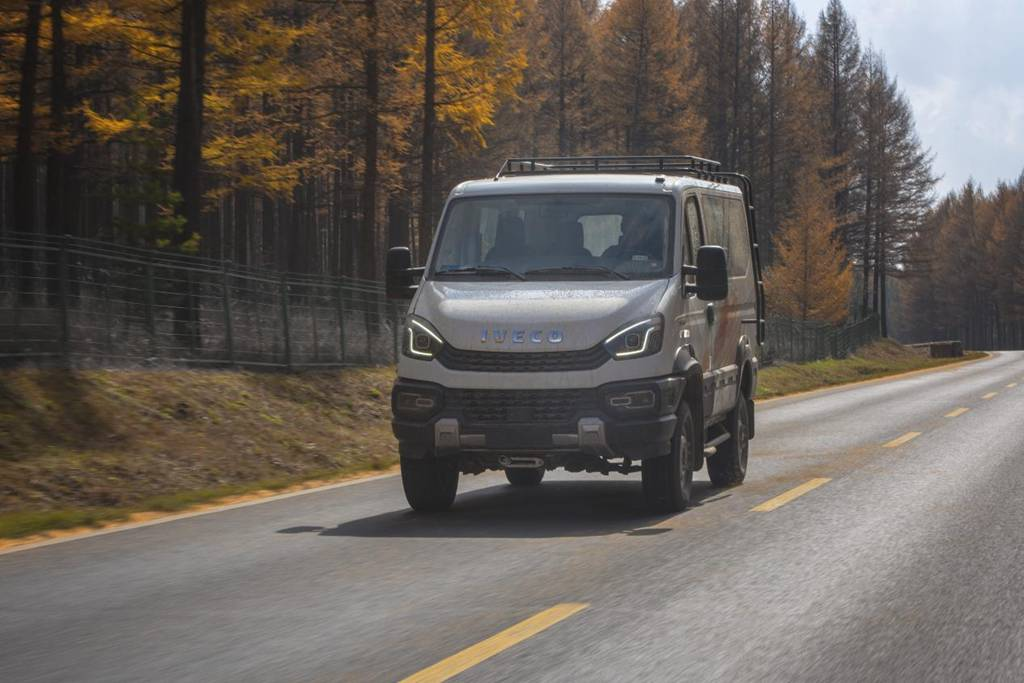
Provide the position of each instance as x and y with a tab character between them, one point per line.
162	439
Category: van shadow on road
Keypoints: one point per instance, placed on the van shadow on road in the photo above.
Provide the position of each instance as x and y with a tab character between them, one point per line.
553	509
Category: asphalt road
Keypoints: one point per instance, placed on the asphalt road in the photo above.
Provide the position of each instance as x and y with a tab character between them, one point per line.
904	562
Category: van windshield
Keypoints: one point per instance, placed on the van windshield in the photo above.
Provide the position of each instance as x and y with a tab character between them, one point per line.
556	237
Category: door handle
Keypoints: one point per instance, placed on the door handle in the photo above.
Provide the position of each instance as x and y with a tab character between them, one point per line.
710	313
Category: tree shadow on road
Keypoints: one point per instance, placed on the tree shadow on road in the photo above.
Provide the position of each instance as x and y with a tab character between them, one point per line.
553	509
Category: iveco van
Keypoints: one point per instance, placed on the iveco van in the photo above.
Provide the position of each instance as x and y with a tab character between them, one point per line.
597	314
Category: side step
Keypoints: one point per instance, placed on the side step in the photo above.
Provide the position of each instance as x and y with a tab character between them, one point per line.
711	447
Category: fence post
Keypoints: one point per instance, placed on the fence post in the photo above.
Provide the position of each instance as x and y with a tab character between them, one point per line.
229	331
285	323
62	284
367	316
339	303
312	310
108	314
396	329
150	305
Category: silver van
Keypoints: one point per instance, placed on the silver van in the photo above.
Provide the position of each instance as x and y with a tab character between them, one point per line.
598	314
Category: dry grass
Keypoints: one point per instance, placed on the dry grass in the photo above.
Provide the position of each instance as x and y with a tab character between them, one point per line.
879	359
80	447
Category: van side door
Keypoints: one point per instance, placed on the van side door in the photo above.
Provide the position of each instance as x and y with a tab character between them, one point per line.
694	331
724	318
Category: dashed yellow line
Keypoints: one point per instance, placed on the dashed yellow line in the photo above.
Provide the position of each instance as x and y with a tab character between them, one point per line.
990	395
503	640
957	412
899	441
792	494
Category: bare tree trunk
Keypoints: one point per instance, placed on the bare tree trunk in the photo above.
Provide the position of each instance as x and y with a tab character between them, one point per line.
188	141
24	158
368	238
426	227
188	153
866	265
57	160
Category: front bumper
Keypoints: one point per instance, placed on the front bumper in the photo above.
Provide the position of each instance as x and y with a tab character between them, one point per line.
543	422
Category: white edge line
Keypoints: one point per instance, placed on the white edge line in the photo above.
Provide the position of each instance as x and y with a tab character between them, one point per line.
188	515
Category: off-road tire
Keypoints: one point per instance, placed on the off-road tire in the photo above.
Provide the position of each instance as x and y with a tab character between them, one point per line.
668	480
728	466
430	483
524	477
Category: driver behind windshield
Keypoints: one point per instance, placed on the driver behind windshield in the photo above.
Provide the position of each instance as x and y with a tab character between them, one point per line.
510	249
641	239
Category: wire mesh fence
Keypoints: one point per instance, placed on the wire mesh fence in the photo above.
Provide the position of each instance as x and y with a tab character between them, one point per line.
85	302
801	341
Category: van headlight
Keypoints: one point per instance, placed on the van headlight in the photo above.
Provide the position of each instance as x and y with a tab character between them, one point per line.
421	340
637	339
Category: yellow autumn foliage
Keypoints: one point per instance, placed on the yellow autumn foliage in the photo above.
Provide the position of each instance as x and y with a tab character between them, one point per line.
810	279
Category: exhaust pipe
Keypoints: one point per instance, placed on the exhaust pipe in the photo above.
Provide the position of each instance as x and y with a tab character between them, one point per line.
519	461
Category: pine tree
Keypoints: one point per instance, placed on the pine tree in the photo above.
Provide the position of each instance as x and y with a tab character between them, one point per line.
647	80
557	83
896	180
465	59
840	75
810	279
791	142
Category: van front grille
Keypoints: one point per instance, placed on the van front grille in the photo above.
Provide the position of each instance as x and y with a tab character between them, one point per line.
483	406
512	361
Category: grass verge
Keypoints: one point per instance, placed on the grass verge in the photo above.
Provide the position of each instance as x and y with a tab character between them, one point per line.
879	359
89	447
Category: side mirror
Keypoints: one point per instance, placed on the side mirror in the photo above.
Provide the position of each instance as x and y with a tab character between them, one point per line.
401	279
712	271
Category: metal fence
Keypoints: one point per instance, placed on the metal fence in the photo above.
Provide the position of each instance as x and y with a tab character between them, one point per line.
796	341
84	302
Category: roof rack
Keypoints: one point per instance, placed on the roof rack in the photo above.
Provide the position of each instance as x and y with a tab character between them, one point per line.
687	164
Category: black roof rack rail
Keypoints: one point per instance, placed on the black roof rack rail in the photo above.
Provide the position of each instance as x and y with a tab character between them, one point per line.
686	164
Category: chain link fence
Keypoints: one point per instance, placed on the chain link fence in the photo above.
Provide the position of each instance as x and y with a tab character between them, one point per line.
84	302
798	342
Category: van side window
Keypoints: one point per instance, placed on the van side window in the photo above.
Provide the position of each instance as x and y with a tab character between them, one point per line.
739	238
714	222
693	229
725	222
693	234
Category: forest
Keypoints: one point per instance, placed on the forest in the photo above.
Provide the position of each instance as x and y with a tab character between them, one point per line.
311	136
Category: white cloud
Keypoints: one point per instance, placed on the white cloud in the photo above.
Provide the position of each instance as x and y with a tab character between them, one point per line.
959	64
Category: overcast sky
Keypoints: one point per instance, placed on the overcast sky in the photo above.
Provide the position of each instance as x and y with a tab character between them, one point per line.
961	63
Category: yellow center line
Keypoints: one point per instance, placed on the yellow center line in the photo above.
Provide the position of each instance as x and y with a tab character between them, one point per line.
1011	385
792	494
503	640
900	440
990	395
957	413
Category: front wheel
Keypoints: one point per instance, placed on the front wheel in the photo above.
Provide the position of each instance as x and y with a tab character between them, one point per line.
728	466
668	480
430	483
524	477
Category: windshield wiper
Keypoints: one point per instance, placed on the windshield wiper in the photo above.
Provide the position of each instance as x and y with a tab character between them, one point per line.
481	270
584	270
